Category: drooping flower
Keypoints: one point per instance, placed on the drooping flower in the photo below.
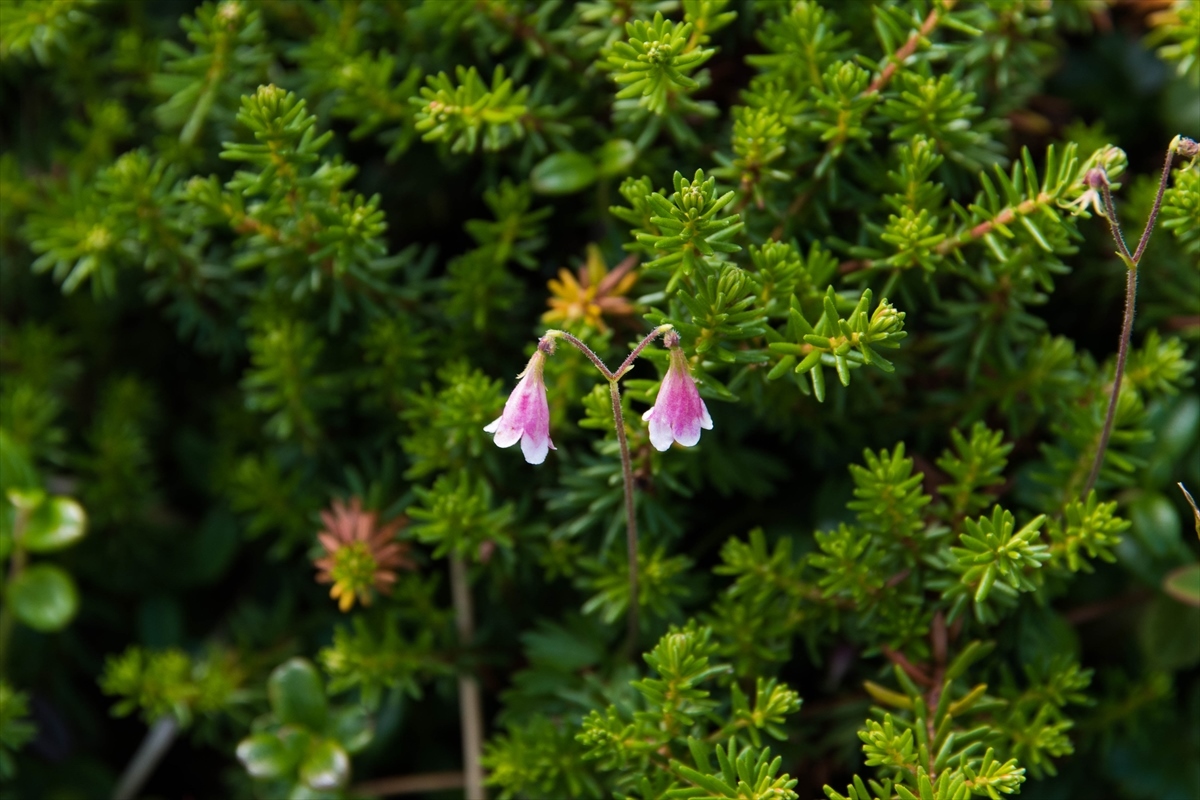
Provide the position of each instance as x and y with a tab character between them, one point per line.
526	415
360	555
678	413
595	293
1094	179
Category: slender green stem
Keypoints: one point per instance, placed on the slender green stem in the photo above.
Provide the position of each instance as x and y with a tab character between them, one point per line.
631	537
1131	264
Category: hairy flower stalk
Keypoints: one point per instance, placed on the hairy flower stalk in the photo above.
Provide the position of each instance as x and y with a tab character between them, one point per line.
1097	181
677	416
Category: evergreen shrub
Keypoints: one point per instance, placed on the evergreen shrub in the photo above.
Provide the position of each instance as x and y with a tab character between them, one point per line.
886	499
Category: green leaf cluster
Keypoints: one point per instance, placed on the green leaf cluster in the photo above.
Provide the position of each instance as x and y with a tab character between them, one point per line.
321	239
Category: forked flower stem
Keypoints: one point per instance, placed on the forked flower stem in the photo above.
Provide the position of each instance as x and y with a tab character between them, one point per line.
614	390
1131	266
583	348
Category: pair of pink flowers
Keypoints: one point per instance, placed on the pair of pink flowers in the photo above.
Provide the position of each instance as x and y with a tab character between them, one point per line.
678	413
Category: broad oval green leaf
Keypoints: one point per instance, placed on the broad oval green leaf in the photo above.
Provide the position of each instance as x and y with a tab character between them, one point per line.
1167	633
563	173
56	524
298	696
615	157
1184	584
43	597
1157	526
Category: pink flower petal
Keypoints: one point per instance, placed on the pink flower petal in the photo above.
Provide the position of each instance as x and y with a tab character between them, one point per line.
678	414
507	433
688	432
526	415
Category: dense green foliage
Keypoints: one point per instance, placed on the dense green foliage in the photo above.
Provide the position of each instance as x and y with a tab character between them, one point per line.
269	267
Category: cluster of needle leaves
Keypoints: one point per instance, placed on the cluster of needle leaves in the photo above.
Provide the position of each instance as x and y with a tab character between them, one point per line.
269	269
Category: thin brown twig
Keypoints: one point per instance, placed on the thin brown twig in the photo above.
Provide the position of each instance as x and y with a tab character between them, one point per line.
1006	216
1183	322
908	48
409	784
1094	611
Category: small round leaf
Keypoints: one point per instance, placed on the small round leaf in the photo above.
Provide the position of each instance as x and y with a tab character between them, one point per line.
326	766
563	173
353	729
1166	633
615	157
298	696
269	756
1157	526
43	597
55	524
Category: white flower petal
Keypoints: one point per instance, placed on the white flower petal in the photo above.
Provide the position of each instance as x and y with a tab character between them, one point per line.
535	449
688	433
507	434
660	432
493	425
705	419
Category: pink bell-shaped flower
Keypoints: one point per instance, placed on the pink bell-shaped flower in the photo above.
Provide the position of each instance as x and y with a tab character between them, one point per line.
678	413
526	415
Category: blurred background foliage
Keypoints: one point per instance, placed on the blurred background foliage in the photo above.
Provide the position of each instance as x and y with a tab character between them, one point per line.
259	257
